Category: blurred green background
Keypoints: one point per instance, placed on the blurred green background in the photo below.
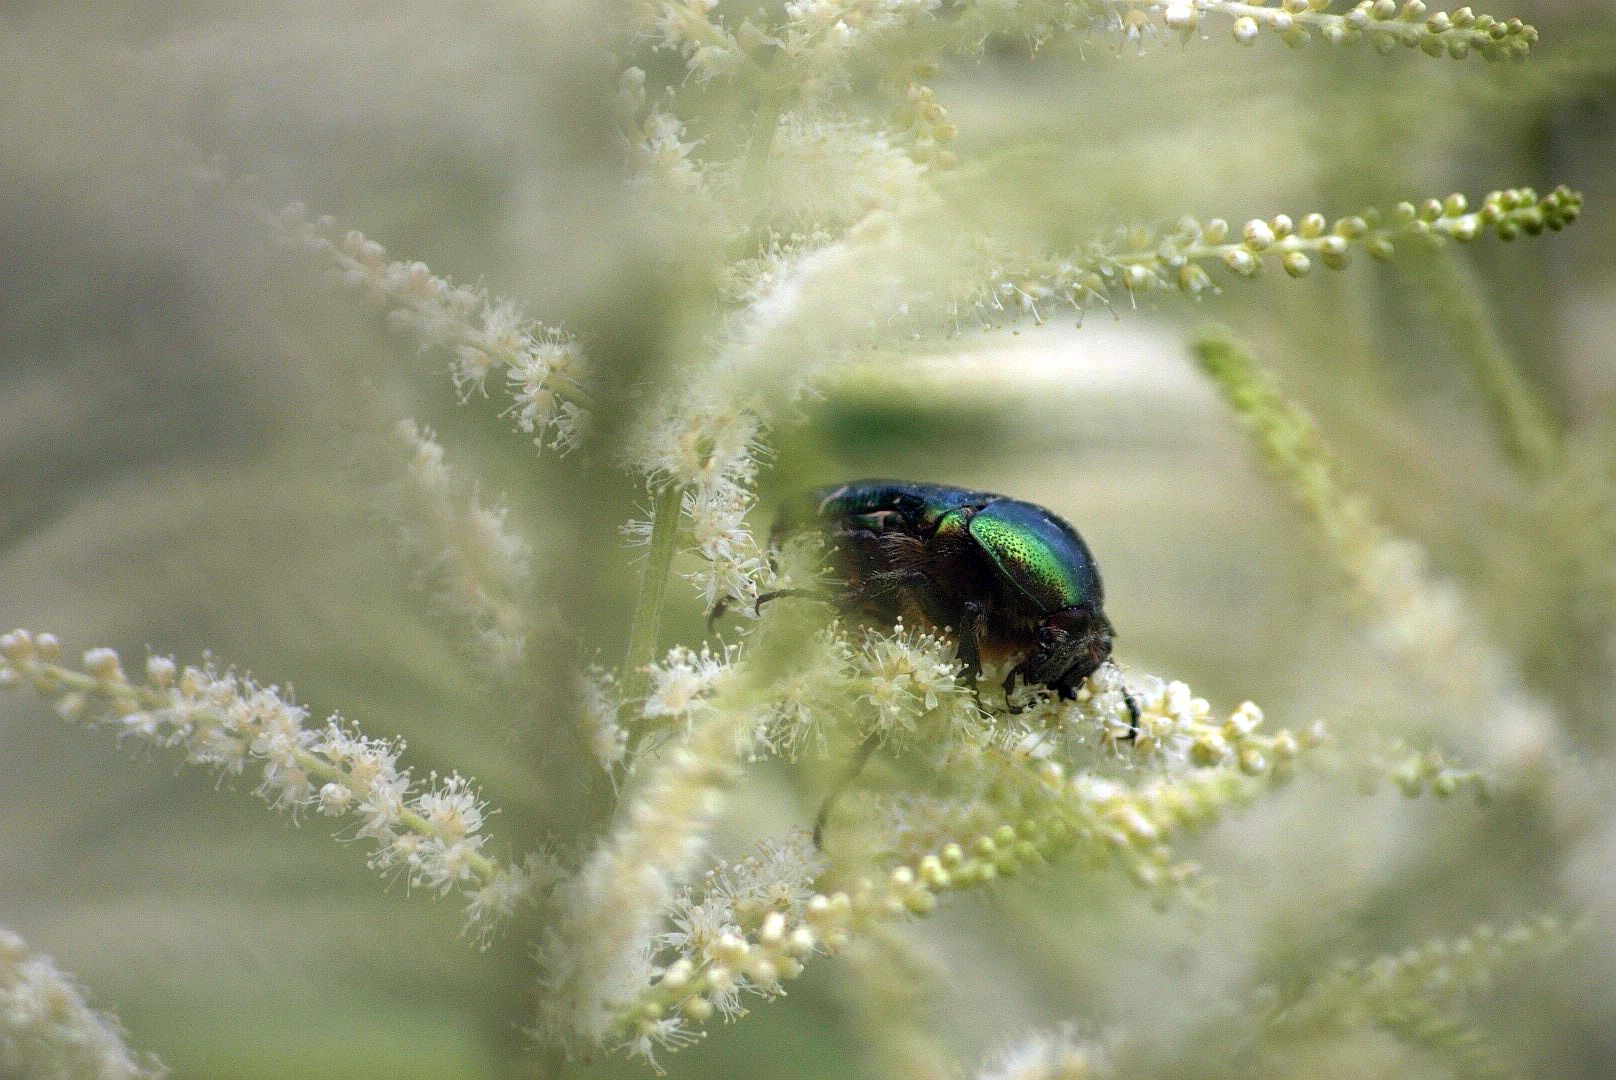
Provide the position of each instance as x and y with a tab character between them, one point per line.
188	463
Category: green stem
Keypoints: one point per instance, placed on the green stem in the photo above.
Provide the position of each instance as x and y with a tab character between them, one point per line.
1526	425
642	638
764	125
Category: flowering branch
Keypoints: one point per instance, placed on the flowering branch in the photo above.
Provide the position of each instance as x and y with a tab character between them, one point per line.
757	921
432	836
1414	993
1419	618
595	959
818	40
1385	24
542	367
1136	261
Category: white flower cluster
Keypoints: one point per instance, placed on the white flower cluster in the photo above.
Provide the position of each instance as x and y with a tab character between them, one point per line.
431	835
747	928
542	368
821	38
811	700
711	927
842	19
913	690
478	569
814	39
49	1032
904	686
688	28
705	445
661	154
681	684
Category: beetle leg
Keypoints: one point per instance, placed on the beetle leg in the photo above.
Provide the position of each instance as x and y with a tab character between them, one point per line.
1068	691
1133	714
1019	671
970	650
854	767
723	605
970	646
764	598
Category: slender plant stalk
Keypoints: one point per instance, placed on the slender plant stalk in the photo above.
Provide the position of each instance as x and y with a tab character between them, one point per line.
653	587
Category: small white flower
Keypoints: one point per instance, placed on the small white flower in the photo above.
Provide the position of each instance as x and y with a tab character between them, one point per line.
682	680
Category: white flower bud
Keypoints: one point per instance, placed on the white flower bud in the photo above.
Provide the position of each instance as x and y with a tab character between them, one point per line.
103	664
1240	261
161	670
1258	235
1179	16
17	645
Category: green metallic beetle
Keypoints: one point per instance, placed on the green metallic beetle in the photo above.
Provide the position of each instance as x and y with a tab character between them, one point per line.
1012	579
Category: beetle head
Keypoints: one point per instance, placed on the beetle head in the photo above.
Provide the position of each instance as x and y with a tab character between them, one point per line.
1070	644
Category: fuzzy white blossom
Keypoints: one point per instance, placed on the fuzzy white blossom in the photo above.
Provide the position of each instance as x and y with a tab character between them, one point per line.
600	704
542	368
1049	1055
681	684
477	568
49	1032
661	961
430	834
914	687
